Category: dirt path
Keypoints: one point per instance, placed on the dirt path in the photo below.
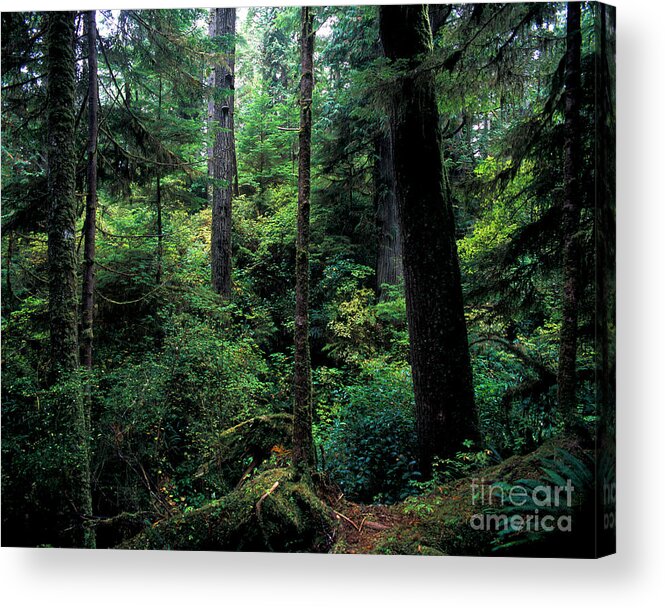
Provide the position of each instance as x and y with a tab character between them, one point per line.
362	526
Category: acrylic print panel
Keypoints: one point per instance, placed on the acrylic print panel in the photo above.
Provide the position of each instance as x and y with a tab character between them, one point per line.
334	279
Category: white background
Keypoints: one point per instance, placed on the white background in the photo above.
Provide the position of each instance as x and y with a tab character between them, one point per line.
634	577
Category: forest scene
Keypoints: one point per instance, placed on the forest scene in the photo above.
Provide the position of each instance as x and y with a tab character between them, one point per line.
310	279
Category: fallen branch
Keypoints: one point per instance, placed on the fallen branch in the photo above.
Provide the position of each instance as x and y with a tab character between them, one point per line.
124	516
355	525
376	526
247	473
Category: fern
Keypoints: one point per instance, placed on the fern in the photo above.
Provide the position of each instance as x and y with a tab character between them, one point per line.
563	468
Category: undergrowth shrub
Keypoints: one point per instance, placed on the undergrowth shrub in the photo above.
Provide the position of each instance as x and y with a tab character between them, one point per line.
370	446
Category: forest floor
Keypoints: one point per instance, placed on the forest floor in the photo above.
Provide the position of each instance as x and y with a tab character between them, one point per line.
438	523
362	527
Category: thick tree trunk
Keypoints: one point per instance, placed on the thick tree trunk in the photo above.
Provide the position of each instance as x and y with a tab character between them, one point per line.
87	312
605	269
389	255
303	448
223	165
61	192
605	219
566	378
70	419
440	362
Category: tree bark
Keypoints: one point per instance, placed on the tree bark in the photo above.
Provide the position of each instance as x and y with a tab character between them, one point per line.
303	448
389	255
210	121
70	419
605	270
61	191
566	378
160	234
87	313
605	216
440	362
223	165
158	201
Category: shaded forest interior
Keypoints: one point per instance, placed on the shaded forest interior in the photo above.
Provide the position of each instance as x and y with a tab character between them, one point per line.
287	279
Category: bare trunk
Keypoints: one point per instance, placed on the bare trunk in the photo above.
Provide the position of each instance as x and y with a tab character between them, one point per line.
303	448
210	124
223	165
87	313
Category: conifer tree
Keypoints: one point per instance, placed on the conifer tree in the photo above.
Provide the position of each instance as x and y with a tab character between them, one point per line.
70	420
440	362
571	210
223	164
303	449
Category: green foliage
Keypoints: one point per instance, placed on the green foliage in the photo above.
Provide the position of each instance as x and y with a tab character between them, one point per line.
541	499
358	326
164	413
176	367
465	463
369	448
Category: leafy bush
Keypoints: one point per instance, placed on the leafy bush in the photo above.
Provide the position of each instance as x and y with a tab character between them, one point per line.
358	327
370	446
160	416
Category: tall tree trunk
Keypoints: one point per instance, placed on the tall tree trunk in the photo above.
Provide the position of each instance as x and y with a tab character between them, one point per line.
567	383
605	211
605	269
212	25
160	228
87	312
303	447
223	165
158	201
389	255
440	362
61	191
75	497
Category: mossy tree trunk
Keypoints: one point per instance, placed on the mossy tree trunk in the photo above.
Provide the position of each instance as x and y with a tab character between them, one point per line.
440	362
223	164
75	496
572	204
90	229
303	448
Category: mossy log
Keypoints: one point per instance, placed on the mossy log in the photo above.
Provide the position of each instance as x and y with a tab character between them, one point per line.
273	511
244	447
